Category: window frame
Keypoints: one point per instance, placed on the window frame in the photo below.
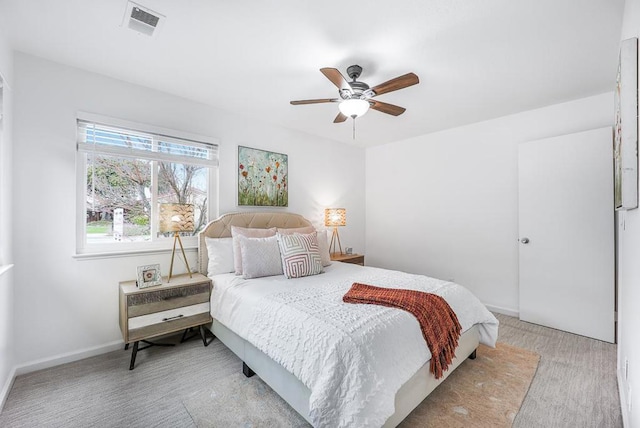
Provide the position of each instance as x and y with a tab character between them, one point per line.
83	249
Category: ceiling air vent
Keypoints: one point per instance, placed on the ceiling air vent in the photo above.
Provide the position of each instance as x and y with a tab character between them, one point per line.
142	20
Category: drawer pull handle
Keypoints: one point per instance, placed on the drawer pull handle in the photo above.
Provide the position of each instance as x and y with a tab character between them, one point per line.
173	297
172	318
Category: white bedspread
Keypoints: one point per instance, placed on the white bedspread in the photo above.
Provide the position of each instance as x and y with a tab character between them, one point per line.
352	357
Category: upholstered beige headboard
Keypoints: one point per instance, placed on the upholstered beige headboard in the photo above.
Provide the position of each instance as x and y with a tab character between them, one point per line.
221	228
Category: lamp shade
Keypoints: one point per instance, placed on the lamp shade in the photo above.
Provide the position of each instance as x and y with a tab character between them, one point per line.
176	218
335	217
353	107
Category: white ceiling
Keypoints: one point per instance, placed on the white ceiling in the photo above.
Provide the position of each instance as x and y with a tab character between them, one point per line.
476	59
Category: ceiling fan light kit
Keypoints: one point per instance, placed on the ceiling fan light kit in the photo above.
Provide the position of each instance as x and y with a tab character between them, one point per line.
356	98
353	107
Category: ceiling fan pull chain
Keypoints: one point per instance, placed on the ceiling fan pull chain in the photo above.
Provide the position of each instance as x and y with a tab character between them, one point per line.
354	127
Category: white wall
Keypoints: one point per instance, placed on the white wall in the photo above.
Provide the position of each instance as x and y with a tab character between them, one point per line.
64	305
628	240
446	204
6	253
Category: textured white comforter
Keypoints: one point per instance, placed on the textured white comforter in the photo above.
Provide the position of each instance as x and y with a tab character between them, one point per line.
352	357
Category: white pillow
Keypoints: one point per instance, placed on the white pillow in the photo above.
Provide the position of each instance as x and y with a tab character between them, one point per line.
323	247
300	255
220	252
250	233
260	257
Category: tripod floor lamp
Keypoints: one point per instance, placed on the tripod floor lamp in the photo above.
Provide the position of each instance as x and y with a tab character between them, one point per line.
335	217
176	218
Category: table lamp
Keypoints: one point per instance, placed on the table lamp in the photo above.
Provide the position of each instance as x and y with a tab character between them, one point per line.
335	217
176	218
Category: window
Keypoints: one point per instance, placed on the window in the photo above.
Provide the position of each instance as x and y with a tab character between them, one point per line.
126	175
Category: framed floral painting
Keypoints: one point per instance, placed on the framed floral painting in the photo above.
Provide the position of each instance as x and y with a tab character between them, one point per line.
263	179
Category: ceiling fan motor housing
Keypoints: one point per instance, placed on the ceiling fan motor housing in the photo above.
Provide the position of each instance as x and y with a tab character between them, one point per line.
354	71
358	89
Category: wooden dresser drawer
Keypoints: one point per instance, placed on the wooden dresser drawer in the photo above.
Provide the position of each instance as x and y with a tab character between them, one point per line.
170	320
162	300
168	316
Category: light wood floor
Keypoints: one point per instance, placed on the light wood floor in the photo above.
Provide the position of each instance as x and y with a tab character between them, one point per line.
575	385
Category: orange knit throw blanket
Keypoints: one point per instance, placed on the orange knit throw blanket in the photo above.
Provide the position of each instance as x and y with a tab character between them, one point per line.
439	324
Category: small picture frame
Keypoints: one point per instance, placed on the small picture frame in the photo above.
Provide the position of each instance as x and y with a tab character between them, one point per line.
149	275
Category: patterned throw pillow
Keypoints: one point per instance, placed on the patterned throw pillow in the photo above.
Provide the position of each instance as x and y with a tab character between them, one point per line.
323	242
250	233
300	255
260	257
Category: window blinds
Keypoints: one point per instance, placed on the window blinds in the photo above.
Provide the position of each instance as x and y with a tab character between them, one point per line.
111	140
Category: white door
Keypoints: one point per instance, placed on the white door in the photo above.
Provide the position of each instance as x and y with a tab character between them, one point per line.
566	229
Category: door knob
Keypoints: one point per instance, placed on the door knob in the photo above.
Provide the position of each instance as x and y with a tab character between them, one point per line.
525	240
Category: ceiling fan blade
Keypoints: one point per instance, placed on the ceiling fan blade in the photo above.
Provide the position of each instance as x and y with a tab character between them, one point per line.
401	82
340	118
387	108
336	77
321	100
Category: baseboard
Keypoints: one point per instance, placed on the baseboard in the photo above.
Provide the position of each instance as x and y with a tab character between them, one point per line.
503	311
624	405
69	357
4	393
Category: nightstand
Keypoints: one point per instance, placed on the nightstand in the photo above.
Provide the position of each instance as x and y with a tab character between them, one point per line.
356	259
182	304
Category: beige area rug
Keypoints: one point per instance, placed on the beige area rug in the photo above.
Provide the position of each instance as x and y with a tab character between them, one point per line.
485	392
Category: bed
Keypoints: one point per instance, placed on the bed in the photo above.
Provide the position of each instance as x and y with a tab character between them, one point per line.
365	367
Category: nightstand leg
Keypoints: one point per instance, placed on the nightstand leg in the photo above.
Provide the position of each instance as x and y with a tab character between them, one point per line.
133	355
126	346
135	350
184	335
190	330
203	334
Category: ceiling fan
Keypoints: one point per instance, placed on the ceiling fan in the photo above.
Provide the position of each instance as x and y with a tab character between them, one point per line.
355	98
